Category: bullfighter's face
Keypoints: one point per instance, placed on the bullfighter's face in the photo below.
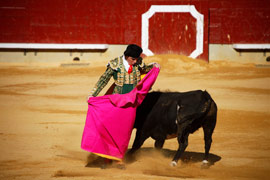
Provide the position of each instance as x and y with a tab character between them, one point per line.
131	60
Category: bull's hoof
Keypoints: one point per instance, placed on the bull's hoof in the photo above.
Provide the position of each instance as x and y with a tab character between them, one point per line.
119	166
103	166
173	163
205	164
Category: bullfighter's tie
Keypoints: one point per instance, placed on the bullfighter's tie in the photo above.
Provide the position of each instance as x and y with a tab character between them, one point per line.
130	69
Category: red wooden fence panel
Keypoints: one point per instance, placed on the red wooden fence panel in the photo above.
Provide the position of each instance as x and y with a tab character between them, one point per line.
120	22
241	21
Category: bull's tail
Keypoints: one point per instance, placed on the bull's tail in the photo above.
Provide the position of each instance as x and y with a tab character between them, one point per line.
209	99
207	95
205	108
211	110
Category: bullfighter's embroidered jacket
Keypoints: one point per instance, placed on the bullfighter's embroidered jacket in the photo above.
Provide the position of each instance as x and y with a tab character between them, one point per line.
124	82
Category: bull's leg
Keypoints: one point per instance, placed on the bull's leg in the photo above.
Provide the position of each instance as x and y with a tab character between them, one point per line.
208	142
208	131
139	140
183	143
159	143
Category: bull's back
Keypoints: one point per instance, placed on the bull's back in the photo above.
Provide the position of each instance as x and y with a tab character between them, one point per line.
159	108
162	105
157	113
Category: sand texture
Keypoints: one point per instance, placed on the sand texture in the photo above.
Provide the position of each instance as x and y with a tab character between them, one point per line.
43	110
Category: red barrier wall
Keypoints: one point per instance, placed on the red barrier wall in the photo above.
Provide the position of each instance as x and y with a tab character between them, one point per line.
241	21
110	22
120	22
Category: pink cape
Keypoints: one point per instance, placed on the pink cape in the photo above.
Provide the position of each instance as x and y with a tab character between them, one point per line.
110	119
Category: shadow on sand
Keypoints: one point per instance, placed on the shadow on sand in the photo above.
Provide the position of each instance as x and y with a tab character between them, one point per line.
187	157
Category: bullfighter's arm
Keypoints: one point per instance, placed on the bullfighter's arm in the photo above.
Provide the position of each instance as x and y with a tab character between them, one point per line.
145	68
103	81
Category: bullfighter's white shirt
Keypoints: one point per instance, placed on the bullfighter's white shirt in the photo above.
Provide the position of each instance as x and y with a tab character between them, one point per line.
126	65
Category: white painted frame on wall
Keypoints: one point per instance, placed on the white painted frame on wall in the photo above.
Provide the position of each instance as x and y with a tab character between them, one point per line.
52	46
251	46
172	9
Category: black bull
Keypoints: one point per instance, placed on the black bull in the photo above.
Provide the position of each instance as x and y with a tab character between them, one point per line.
163	115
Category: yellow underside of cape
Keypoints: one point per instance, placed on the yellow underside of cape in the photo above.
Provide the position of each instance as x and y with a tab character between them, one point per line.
142	76
108	157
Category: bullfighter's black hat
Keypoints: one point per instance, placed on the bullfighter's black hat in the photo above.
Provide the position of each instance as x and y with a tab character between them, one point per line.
133	50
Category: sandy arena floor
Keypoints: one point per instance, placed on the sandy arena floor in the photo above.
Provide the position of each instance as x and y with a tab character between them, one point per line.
43	109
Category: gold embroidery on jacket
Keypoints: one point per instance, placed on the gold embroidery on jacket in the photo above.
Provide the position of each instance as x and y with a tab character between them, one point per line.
122	75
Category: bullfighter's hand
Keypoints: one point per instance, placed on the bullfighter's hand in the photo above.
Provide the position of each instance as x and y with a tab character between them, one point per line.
88	97
157	65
